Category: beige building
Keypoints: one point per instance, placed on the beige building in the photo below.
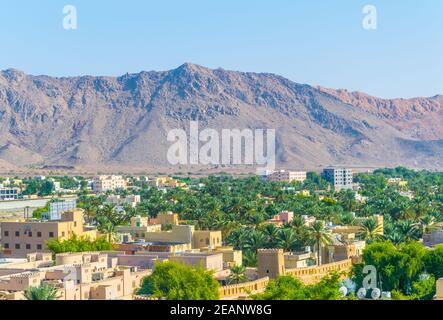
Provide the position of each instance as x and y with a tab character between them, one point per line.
208	260
167	218
231	257
136	247
187	234
271	263
21	238
167	182
80	276
439	290
343	251
139	228
130	200
356	228
298	260
287	176
109	183
207	239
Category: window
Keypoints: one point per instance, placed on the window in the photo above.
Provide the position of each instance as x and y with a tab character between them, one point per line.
119	287
75	223
63	233
17	246
6	233
30	234
28	247
39	234
6	245
39	247
51	234
17	233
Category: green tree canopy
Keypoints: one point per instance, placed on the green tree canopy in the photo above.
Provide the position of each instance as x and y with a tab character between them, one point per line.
44	292
76	244
176	281
290	288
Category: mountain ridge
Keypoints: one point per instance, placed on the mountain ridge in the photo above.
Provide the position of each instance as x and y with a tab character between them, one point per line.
95	121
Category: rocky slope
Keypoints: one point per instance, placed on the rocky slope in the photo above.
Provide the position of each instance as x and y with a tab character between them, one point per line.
122	123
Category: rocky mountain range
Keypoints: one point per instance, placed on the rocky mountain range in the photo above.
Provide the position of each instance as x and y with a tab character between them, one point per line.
121	123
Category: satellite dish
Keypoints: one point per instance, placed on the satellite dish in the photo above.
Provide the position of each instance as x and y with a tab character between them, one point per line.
376	294
386	295
343	291
361	293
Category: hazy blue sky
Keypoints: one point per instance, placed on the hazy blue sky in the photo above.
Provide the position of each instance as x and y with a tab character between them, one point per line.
310	41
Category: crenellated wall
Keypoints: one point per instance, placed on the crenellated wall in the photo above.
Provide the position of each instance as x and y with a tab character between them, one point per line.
236	290
314	274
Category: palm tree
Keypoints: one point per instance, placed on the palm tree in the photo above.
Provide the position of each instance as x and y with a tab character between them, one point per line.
298	222
107	227
395	237
43	292
408	229
370	229
347	219
237	275
427	223
250	258
256	240
287	239
271	233
319	236
90	212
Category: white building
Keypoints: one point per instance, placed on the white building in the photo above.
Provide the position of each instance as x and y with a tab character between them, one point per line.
287	176
109	183
9	193
340	178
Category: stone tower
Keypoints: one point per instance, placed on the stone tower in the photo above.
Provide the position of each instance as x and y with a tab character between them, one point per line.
271	263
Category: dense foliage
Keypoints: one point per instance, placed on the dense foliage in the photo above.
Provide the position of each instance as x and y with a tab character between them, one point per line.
175	281
76	244
41	293
240	206
290	288
409	270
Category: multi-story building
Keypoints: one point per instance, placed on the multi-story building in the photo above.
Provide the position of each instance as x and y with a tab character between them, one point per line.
9	193
183	236
166	182
340	178
398	181
287	176
139	228
130	200
168	218
108	183
281	218
57	208
21	238
77	276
